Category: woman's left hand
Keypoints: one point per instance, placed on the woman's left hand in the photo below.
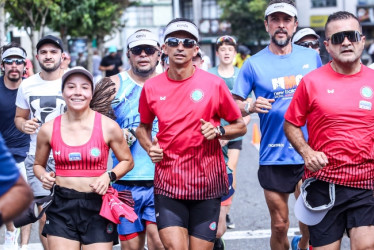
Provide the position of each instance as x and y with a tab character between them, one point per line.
101	184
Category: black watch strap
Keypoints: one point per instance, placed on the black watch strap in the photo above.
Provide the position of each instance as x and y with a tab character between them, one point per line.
112	176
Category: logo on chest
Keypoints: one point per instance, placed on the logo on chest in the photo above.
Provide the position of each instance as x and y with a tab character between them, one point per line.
95	152
197	95
75	156
366	92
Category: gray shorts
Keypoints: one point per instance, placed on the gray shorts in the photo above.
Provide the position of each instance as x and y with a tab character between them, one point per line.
35	184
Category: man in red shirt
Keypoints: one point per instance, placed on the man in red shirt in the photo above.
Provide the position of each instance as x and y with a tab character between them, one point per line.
335	101
190	175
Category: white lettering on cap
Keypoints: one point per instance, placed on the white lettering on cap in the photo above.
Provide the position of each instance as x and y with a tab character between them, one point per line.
182	26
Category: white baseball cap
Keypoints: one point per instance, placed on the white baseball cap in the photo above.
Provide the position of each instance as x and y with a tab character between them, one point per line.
302	33
14	51
281	7
142	37
182	26
313	214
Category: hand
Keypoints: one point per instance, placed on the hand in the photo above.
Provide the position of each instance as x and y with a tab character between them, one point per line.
111	67
30	126
155	152
208	130
223	142
101	184
48	179
261	105
315	160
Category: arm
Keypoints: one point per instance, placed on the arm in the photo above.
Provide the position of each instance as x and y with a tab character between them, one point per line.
43	149
114	137
260	105
234	129
16	200
23	124
144	135
314	160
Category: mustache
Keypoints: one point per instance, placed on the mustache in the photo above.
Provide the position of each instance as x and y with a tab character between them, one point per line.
280	31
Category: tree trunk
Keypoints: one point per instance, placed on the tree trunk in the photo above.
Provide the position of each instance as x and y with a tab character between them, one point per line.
2	24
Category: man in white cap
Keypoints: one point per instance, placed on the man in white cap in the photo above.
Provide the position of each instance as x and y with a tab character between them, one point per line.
13	66
274	74
143	53
307	38
190	174
39	99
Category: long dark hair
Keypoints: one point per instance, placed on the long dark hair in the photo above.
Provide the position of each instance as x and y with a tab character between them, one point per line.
103	97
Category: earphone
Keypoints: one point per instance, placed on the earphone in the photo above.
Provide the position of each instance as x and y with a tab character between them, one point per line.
128	54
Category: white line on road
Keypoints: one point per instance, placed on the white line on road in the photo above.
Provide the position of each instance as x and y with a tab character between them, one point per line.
255	234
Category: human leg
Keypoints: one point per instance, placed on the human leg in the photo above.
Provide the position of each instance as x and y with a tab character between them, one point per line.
221	229
278	207
174	238
60	243
134	241
362	237
153	238
200	244
25	234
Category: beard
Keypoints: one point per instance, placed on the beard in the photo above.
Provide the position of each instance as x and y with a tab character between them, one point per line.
14	79
281	43
50	69
143	72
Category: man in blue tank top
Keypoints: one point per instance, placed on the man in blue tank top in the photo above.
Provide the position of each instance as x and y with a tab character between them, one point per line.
274	74
143	55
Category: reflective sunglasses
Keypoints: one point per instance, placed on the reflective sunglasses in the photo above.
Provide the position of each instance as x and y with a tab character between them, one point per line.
16	60
313	44
227	39
186	42
352	35
149	50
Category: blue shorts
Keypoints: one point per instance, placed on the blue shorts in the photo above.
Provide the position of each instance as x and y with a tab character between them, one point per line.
231	188
144	208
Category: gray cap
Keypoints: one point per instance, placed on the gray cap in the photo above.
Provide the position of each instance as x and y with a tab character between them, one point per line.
302	33
14	51
75	70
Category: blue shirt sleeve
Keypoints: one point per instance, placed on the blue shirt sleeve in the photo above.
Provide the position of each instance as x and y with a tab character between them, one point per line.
244	81
9	173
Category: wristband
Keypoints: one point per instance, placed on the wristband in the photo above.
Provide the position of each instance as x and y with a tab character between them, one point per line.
247	107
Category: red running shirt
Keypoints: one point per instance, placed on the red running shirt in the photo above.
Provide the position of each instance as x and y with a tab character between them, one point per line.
339	113
87	160
193	168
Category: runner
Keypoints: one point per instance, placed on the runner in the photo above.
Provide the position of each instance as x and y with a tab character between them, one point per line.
13	65
190	174
143	55
281	167
80	140
39	100
339	152
307	38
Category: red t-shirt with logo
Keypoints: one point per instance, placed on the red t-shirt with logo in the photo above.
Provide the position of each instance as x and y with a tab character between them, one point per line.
193	168
339	113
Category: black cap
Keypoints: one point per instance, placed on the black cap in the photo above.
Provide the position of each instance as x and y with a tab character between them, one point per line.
50	39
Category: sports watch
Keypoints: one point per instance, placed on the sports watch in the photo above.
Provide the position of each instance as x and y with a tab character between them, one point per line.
220	131
247	107
112	176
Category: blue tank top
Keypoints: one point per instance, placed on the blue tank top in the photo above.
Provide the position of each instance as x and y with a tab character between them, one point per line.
126	111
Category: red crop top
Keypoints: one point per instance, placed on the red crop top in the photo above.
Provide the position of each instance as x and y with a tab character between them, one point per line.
87	160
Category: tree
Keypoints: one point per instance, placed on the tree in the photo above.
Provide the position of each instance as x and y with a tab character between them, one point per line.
30	15
247	20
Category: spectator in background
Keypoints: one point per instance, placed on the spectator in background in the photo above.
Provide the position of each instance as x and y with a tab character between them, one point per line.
96	59
66	60
307	38
206	62
241	56
112	63
81	60
198	60
29	69
164	61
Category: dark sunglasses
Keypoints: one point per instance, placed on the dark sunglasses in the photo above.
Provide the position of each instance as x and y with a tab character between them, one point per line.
11	61
312	44
352	35
227	39
186	42
149	50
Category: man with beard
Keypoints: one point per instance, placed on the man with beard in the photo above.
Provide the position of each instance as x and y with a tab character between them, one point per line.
143	52
274	74
39	100
13	66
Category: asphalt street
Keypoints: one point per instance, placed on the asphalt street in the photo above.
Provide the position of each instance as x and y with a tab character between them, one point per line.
249	210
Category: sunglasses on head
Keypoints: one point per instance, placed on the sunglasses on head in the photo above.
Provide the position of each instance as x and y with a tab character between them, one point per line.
352	35
186	42
312	44
16	60
149	50
227	39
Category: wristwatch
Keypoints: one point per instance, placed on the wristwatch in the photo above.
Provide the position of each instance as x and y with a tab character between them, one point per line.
112	176
220	131
247	107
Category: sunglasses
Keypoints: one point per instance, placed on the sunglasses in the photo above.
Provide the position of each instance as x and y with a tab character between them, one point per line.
227	39
186	42
11	61
312	44
149	50
352	35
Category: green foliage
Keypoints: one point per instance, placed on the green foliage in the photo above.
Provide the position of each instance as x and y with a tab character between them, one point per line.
246	18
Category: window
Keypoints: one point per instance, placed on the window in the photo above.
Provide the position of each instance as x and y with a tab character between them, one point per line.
187	9
323	3
210	9
139	16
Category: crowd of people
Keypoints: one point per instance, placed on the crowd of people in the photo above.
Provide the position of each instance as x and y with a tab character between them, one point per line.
175	137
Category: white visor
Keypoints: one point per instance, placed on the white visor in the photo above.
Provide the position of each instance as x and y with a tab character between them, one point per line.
142	38
182	26
281	7
14	51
